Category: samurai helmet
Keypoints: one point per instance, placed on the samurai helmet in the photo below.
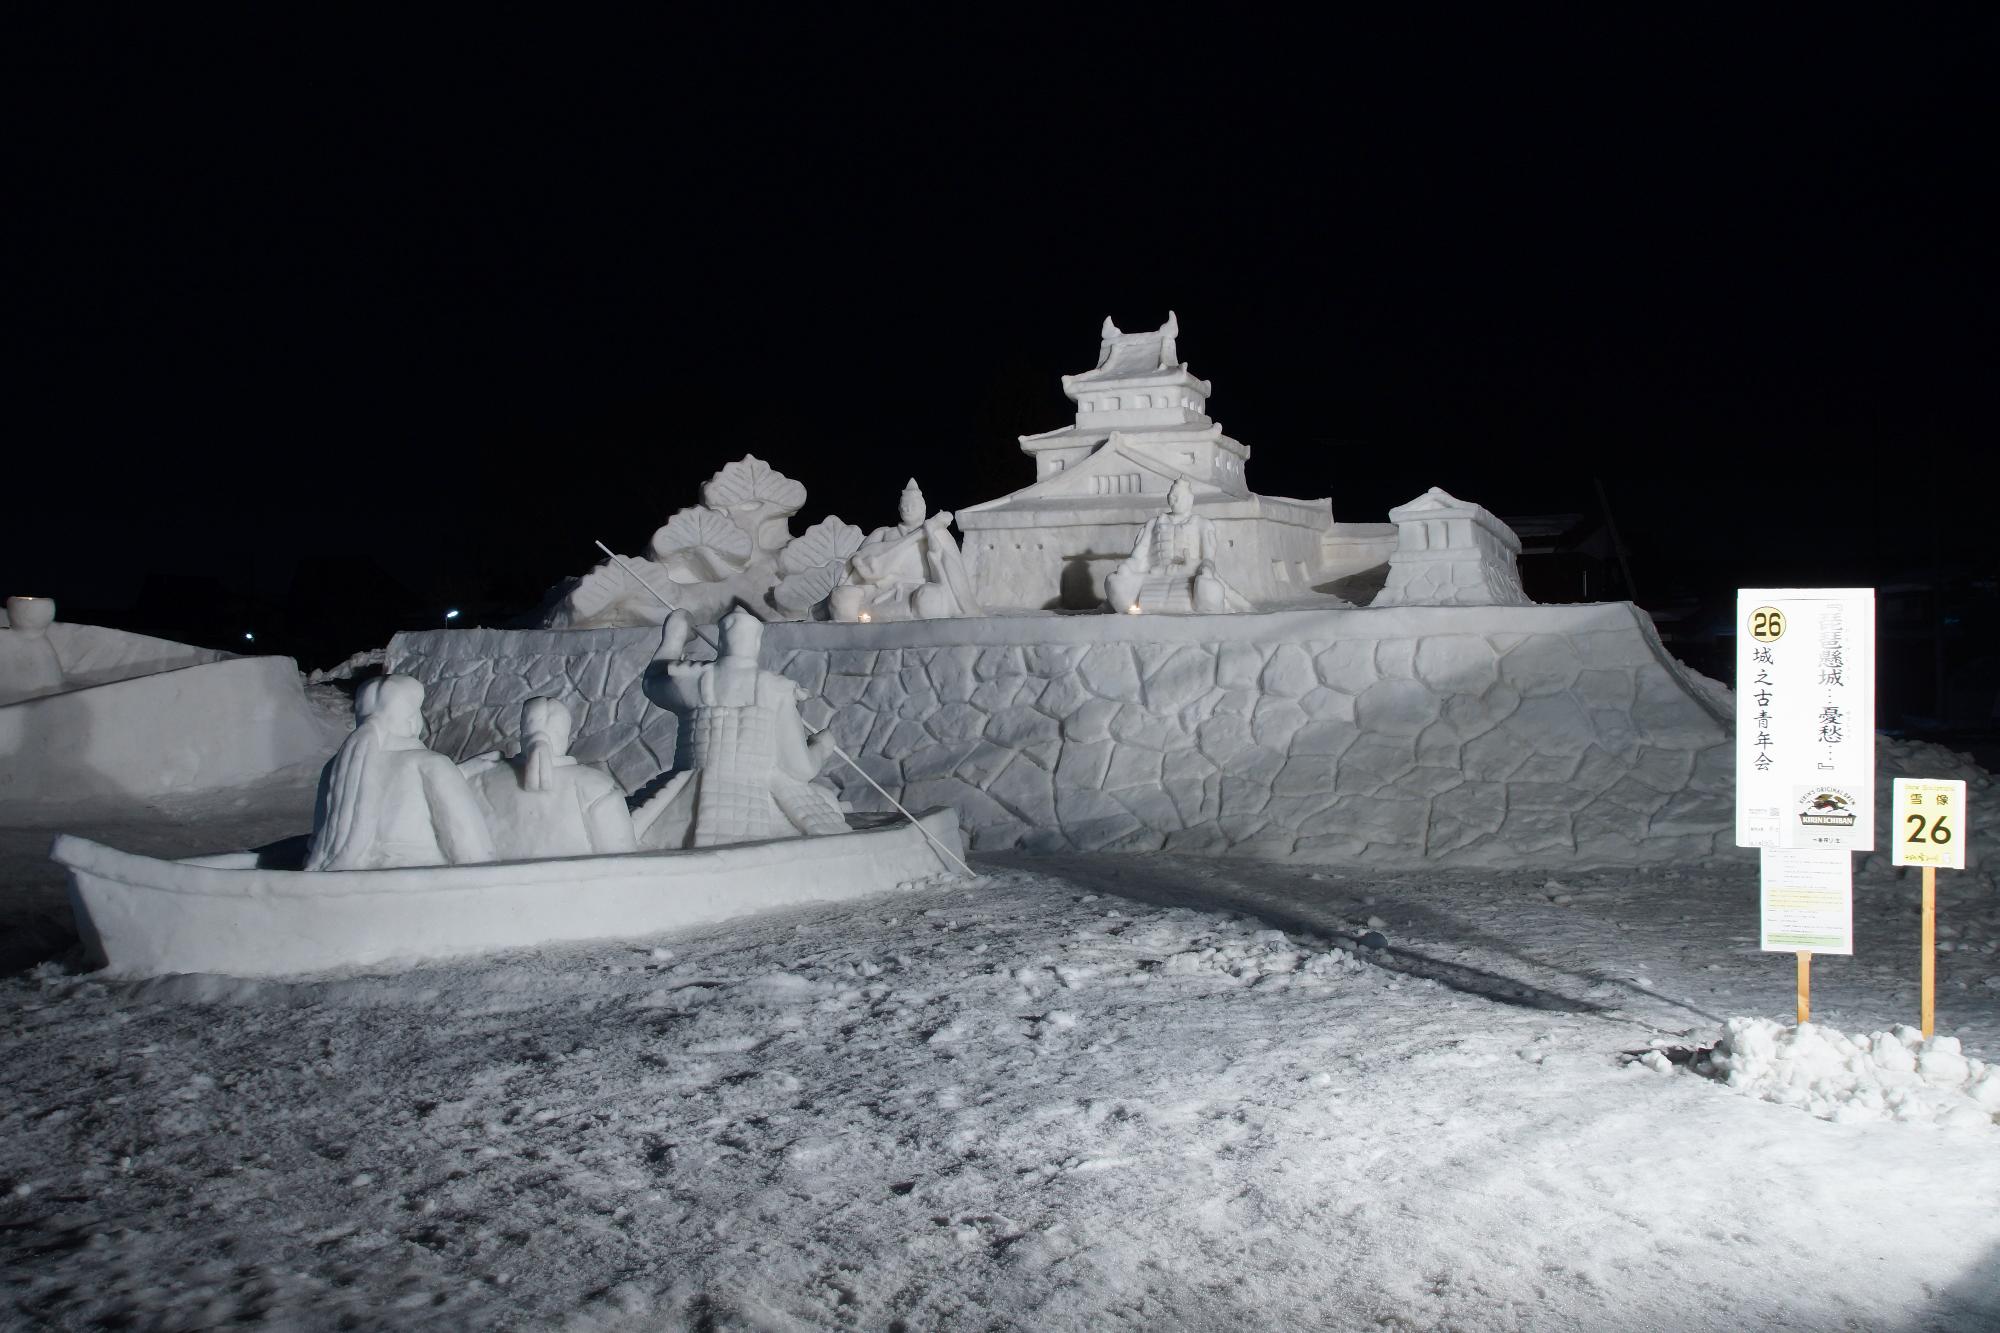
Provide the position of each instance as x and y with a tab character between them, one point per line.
742	634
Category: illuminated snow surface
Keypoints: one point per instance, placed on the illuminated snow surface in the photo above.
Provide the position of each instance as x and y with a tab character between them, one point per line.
1145	1092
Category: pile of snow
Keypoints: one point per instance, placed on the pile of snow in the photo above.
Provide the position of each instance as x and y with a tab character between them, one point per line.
367	662
1268	957
1897	1075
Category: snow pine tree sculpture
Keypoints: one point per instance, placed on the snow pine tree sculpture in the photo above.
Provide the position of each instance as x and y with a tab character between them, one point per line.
736	546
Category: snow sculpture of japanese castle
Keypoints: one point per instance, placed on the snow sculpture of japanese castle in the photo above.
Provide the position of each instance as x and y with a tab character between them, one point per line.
1141	424
1246	707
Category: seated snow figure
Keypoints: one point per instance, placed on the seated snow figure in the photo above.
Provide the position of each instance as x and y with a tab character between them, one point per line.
543	802
750	763
1172	565
385	800
913	571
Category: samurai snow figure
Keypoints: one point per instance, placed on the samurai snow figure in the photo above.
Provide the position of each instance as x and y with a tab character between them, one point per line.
750	760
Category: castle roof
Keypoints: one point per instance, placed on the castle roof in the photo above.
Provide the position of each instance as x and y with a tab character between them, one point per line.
1124	356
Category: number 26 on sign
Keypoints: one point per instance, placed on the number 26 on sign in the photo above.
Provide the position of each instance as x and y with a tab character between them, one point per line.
1929	821
1928	824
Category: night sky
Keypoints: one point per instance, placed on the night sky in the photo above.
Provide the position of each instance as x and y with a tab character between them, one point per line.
321	328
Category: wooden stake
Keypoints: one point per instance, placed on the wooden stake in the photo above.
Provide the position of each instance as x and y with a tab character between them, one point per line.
1805	986
1929	967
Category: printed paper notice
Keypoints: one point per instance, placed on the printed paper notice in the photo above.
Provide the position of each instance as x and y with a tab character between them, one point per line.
1808	900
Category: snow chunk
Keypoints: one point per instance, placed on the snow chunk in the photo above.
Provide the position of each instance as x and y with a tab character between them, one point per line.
1894	1075
1266	954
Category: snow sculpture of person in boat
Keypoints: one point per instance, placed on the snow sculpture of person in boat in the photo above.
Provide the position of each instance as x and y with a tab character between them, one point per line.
386	800
751	762
543	802
410	859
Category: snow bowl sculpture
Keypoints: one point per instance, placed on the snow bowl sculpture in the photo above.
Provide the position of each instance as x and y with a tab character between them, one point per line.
94	714
257	914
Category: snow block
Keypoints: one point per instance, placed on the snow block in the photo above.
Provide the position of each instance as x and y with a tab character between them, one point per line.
198	725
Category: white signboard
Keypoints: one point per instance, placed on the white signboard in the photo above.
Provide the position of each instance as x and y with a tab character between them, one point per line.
1928	823
1808	900
1805	718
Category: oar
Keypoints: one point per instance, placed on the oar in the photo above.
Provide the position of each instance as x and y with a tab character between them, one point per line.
831	744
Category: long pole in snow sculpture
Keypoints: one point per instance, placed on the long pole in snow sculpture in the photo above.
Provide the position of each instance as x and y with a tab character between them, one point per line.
831	744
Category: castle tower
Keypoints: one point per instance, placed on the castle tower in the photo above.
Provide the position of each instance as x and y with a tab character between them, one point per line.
1141	423
1142	393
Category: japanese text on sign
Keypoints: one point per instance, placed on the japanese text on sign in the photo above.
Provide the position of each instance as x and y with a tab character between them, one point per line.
1927	822
1805	749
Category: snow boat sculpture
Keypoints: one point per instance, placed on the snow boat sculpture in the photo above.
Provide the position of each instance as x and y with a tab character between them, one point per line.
371	885
245	914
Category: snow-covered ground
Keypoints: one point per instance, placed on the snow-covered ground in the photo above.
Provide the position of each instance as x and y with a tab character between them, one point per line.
1141	1092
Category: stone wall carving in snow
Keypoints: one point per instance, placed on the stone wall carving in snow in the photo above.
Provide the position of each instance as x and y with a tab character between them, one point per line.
1442	735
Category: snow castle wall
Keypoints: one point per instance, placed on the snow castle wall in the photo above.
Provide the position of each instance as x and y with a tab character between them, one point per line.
1491	736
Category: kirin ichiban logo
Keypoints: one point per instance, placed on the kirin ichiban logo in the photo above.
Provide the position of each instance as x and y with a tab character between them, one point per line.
1827	807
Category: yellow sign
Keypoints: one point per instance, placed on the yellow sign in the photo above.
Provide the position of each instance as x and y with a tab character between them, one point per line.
1767	624
1927	823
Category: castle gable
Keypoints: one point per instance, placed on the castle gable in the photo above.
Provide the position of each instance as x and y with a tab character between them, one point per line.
1115	468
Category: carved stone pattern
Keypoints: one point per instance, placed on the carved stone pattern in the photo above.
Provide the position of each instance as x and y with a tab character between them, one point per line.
1463	749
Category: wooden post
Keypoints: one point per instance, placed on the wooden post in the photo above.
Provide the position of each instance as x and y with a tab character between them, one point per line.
1929	965
1805	986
